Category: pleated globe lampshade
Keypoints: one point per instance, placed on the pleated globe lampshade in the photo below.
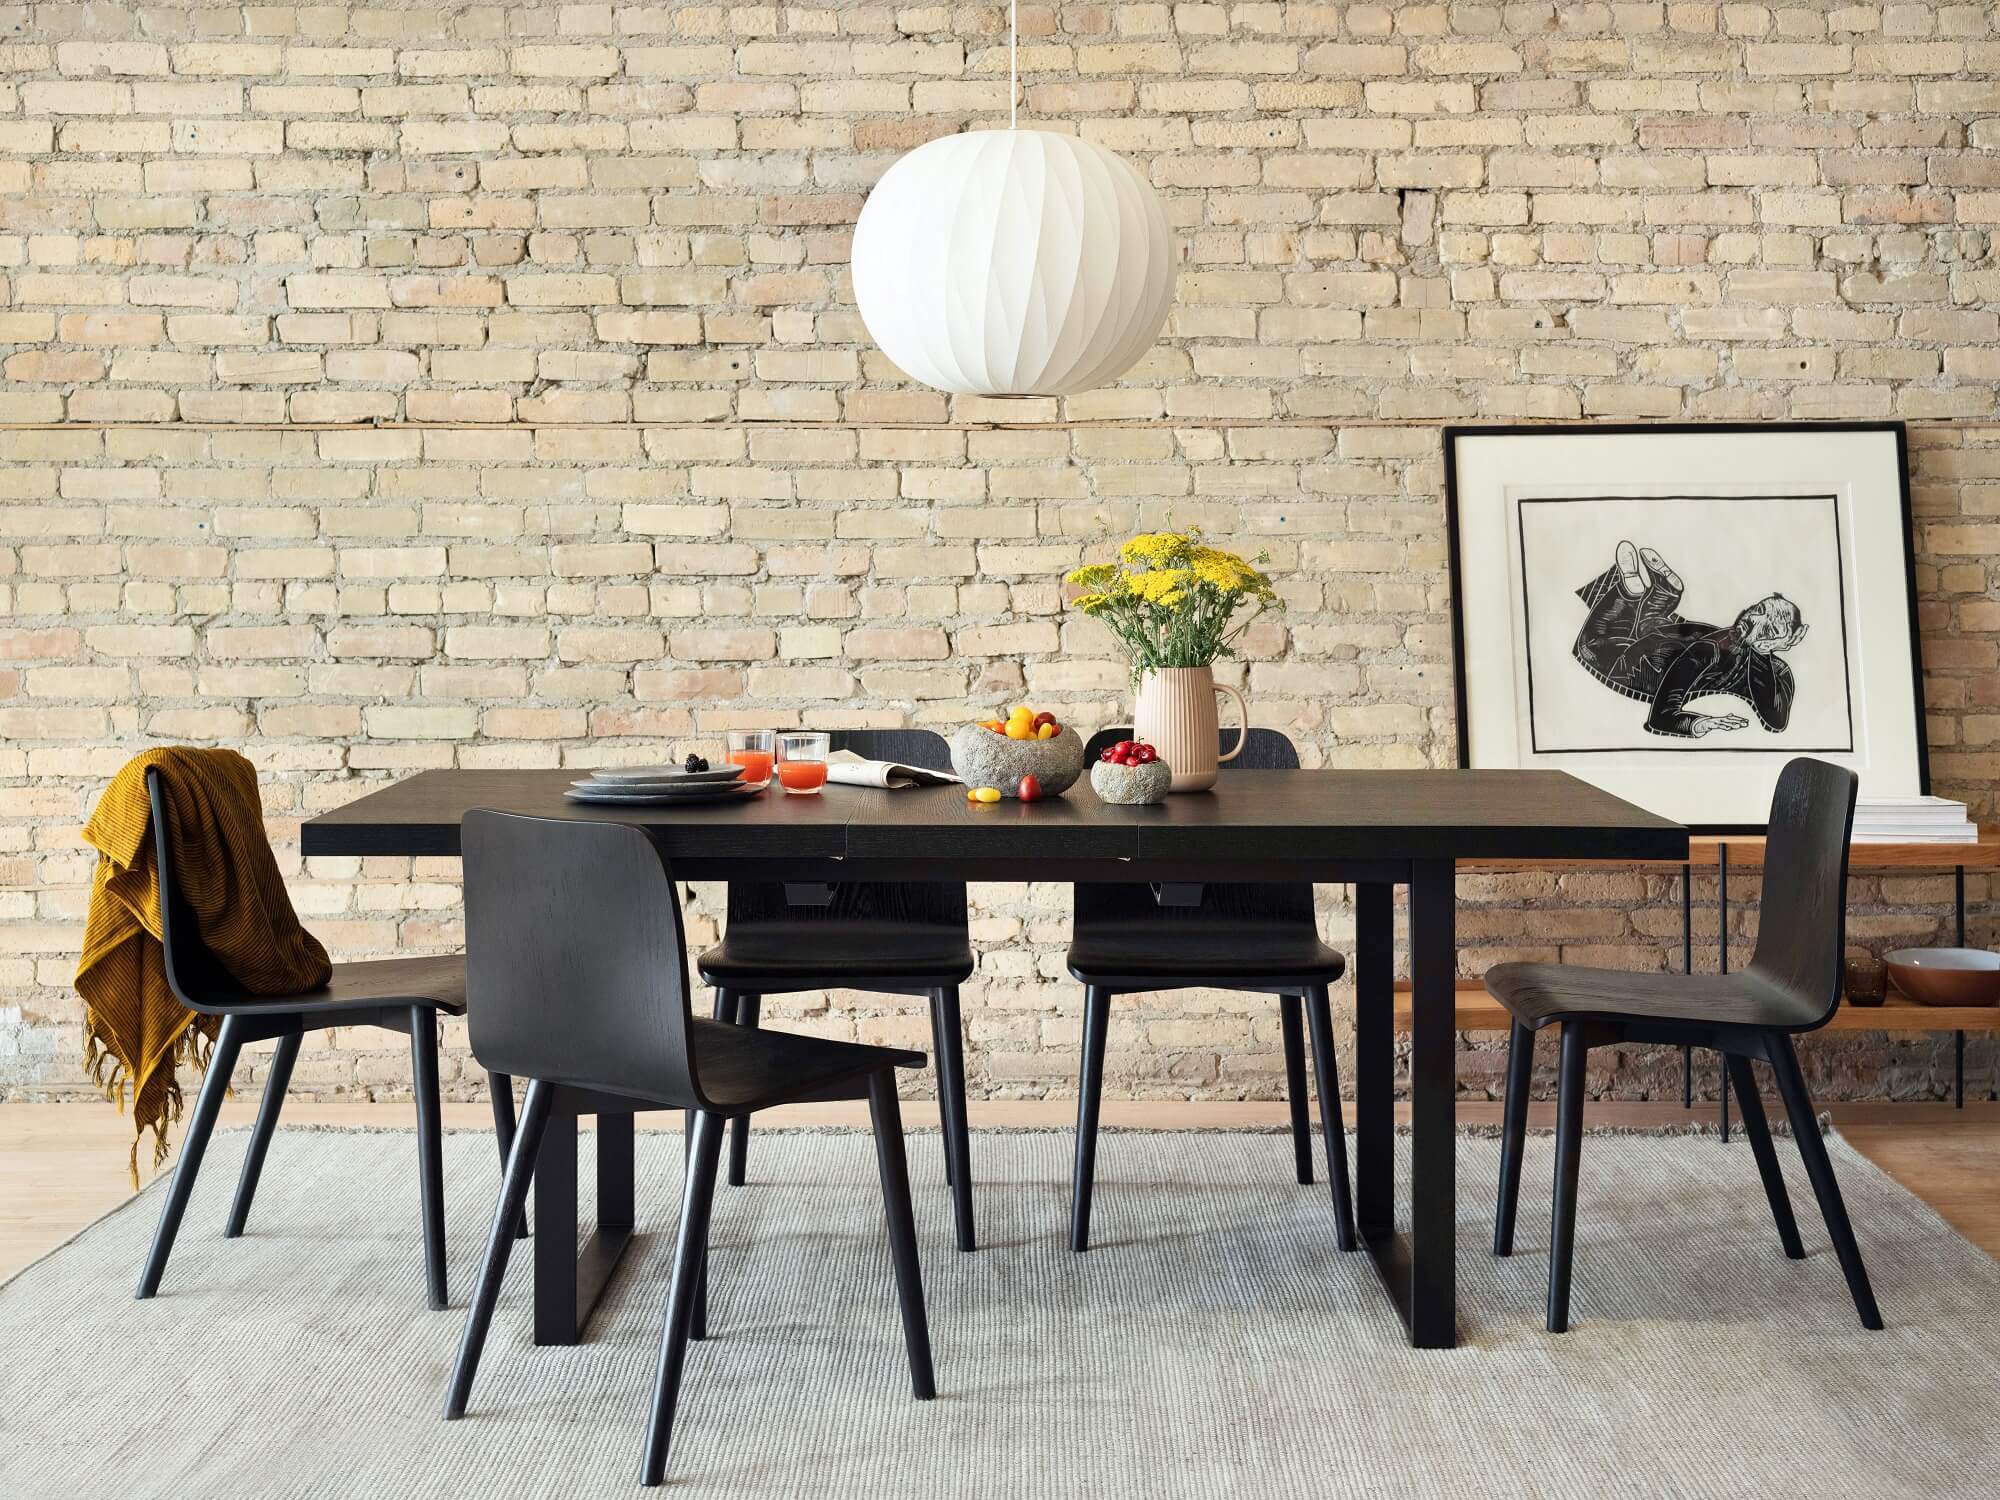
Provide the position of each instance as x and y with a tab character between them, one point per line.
1013	263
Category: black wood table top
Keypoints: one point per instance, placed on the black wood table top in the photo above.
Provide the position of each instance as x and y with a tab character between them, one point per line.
1268	819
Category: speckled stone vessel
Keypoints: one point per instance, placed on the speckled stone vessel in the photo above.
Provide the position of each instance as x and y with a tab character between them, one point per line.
983	758
1131	784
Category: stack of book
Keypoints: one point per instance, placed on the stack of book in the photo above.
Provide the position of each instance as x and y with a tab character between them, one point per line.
1912	820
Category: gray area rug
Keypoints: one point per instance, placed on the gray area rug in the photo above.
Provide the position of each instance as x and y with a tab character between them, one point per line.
1213	1342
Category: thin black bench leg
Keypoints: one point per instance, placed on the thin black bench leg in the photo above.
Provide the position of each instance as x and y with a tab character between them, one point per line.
507	1212
749	1010
1295	1086
1805	1126
228	1043
500	1090
951	1102
1513	1134
1326	1074
275	1083
430	1148
1569	1150
1758	1130
887	1116
1089	1093
690	1247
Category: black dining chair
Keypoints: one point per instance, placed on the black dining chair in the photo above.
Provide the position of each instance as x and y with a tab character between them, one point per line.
1791	986
884	937
398	994
577	965
1262	938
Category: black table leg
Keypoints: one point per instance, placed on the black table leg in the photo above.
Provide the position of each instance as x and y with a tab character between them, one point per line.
569	1281
1374	1061
1420	1267
1432	1311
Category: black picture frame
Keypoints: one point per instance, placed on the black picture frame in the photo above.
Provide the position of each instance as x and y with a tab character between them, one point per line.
1454	433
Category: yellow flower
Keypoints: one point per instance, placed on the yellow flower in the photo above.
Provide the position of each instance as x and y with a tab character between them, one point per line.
1167	586
1093	576
1158	548
1090	604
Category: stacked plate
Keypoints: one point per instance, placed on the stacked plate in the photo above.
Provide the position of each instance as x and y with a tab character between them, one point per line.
657	786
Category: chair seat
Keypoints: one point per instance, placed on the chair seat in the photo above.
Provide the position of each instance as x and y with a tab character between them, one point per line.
375	984
764	958
1214	952
744	1068
1537	994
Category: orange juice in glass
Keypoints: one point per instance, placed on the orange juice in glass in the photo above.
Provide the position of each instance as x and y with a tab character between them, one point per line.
802	762
753	750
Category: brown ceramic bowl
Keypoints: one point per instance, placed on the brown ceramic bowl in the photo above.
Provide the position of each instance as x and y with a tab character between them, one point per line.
1946	976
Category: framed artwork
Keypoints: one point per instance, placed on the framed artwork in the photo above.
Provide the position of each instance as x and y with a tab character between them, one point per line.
1673	612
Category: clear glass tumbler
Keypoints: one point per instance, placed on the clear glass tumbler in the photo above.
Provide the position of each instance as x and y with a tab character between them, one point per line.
802	762
754	750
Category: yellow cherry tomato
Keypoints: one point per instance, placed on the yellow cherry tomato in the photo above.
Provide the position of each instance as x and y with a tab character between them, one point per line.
1022	713
1017	729
983	794
1046	732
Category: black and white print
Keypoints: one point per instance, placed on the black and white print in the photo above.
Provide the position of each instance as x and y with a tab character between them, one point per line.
1684	622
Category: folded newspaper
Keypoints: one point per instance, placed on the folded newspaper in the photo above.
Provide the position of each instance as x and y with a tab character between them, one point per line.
849	769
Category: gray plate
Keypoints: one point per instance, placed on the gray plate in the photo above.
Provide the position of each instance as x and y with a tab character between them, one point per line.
585	791
661	776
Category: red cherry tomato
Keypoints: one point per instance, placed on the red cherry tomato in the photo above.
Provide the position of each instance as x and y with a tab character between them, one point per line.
1041	719
1030	790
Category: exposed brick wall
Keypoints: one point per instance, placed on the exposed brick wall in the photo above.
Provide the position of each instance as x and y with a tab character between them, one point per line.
622	231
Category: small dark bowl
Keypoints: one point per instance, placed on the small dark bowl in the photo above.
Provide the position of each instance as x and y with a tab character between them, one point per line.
1946	976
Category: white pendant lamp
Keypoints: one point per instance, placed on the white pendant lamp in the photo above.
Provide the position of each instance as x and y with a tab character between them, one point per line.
1013	263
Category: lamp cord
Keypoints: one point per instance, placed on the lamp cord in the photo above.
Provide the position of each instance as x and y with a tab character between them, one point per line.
1013	62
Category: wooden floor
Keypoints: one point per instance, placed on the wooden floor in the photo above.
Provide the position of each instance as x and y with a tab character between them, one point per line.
64	1165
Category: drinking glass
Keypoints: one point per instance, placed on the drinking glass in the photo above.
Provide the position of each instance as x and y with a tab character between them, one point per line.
802	762
753	750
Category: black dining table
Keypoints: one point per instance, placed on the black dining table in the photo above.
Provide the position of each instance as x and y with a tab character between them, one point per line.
1375	830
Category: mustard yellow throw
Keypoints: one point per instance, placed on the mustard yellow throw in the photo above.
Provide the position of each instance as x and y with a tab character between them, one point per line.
223	867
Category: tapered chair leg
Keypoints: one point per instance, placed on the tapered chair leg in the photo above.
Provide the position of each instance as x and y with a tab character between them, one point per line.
275	1083
951	1102
430	1147
749	1009
887	1117
1805	1126
690	1246
507	1213
228	1043
1744	1082
1513	1134
1326	1076
500	1089
944	1094
725	1010
1569	1150
1295	1086
1090	1092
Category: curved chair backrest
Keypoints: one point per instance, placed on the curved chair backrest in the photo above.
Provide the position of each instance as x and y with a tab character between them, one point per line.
1802	922
575	964
933	903
1268	750
194	973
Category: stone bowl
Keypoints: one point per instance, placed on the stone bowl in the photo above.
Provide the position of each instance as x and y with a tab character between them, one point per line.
1946	976
1131	784
983	758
